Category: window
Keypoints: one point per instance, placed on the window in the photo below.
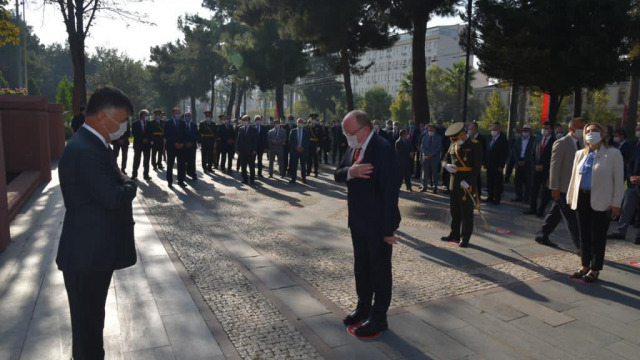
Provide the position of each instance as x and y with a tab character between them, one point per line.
622	95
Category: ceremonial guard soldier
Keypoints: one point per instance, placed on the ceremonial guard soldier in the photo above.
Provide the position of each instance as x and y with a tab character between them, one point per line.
464	160
156	129
207	133
315	133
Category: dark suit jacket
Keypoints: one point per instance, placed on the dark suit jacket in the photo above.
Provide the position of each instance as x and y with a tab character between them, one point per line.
497	154
634	168
97	233
543	157
373	202
226	132
139	134
403	151
483	142
263	142
247	141
414	137
191	133
528	153
293	141
174	133
626	150
76	122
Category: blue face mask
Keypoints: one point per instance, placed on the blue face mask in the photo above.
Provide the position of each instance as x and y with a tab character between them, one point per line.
412	126
292	122
187	118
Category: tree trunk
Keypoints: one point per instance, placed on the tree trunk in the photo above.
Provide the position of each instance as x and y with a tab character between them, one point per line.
513	109
522	106
213	94
577	103
239	104
555	100
192	100
632	110
419	97
346	74
76	46
232	98
279	99
290	101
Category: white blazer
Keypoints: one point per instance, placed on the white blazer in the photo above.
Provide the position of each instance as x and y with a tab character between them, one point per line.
607	181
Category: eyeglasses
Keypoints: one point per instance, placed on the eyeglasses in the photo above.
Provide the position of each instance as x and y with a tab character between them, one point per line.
354	133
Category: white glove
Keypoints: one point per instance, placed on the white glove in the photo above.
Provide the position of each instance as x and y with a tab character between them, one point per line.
450	168
464	184
318	150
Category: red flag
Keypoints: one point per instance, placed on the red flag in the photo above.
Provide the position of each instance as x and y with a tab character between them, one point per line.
545	108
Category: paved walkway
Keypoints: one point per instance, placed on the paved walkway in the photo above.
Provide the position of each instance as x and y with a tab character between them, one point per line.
228	271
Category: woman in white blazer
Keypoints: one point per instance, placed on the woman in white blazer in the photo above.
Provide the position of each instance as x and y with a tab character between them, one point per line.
596	187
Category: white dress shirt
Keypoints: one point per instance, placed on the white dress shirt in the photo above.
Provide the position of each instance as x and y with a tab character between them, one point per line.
362	151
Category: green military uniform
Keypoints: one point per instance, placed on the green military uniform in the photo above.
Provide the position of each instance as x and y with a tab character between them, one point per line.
157	140
467	158
207	131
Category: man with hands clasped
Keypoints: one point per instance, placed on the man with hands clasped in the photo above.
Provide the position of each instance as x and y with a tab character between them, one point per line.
370	170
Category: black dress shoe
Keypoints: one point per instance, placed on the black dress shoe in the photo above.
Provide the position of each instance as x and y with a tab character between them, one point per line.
304	181
292	181
463	243
449	238
546	242
516	199
182	184
591	277
616	236
529	212
356	317
371	328
487	200
147	177
579	274
170	186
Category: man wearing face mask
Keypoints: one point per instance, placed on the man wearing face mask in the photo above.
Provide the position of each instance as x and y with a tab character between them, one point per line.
559	131
510	160
522	157
475	135
495	161
141	145
121	145
277	137
315	132
299	140
414	138
395	133
377	128
287	127
541	163
431	145
464	160
371	172
247	148
174	134
207	136
263	143
98	229
562	157
219	144
190	145
620	139
156	129
227	135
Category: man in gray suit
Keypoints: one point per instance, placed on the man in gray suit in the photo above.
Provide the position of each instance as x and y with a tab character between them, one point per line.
276	138
562	155
97	233
430	148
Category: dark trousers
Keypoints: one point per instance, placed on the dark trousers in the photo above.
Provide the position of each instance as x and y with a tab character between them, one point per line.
539	189
334	152
249	159
522	181
509	169
406	174
117	149
312	158
295	157
417	159
326	146
560	210
593	227
259	157
461	214
629	209
190	161
495	183
226	155
156	154
87	293
372	270
276	152
172	156
207	154
145	152
285	158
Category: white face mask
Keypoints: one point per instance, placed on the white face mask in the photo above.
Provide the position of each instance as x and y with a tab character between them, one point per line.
460	142
638	134
494	133
352	140
258	122
376	127
431	133
277	126
300	125
545	132
116	135
578	133
245	123
593	138
616	140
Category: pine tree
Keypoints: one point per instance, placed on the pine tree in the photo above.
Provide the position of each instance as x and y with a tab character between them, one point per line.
496	111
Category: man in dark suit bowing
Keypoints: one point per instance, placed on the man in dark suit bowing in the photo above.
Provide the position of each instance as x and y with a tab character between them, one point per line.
97	233
370	170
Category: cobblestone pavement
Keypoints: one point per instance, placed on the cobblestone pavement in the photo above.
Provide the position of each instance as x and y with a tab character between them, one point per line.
254	324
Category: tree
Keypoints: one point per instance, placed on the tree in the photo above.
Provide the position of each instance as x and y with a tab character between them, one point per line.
534	112
634	61
550	45
64	96
9	32
400	108
495	112
598	109
78	16
413	15
321	87
377	102
454	80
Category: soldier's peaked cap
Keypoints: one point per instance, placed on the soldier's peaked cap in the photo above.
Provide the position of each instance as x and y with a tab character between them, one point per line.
208	113
157	112
221	116
454	129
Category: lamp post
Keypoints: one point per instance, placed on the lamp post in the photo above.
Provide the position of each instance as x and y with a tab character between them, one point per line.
466	70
